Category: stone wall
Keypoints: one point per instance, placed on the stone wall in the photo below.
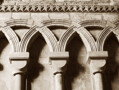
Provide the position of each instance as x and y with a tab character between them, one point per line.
101	2
59	45
78	75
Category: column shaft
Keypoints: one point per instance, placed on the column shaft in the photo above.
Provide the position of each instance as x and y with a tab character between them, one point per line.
58	81
98	81
19	84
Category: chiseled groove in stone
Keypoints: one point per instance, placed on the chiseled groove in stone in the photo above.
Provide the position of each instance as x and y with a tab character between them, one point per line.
10	34
59	8
26	38
65	38
57	22
100	42
90	39
50	36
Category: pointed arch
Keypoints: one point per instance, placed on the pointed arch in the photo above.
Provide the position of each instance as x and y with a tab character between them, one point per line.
11	36
83	33
45	32
114	28
80	28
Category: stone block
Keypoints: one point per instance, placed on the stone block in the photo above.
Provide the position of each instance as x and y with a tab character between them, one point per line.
59	16
19	56
59	55
20	15
110	17
98	54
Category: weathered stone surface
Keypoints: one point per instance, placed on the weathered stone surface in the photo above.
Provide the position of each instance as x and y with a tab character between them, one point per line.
47	30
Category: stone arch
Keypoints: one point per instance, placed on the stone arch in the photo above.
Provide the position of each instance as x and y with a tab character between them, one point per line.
11	36
70	33
111	28
79	28
45	32
10	33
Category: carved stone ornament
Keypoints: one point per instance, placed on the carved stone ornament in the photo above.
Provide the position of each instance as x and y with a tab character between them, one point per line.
59	8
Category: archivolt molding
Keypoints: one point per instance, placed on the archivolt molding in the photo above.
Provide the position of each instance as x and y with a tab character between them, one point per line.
101	40
43	29
87	38
64	39
45	32
49	37
12	37
108	27
113	28
25	40
83	33
58	46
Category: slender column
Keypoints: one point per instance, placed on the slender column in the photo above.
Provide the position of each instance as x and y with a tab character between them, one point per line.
97	63
18	82
18	62
58	60
58	81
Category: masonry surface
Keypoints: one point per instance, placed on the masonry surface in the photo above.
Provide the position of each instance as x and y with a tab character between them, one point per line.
59	50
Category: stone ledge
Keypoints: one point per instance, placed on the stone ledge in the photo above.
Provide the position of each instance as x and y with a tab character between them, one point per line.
98	55
59	8
19	56
59	55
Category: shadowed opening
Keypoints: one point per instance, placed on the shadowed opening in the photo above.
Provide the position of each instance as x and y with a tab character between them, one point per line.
77	74
111	74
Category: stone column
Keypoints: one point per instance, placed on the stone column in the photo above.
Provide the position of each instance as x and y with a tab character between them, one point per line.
18	62
58	60
97	63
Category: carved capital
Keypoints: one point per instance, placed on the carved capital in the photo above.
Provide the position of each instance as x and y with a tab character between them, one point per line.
19	61
58	60
98	61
